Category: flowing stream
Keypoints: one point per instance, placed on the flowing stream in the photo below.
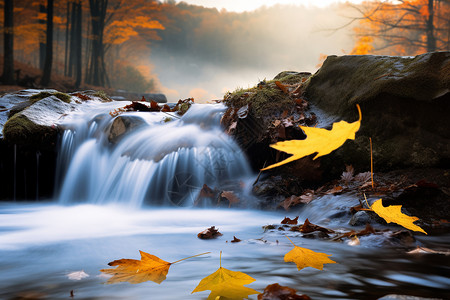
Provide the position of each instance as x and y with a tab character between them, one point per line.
116	200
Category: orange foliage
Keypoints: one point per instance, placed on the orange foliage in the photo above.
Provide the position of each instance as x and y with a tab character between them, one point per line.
400	27
363	46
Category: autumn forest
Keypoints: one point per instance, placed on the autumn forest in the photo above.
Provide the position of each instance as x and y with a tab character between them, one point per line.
117	43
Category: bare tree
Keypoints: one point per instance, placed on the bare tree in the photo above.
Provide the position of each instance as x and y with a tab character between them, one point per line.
405	26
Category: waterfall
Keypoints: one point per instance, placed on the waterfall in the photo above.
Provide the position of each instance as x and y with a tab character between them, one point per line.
157	162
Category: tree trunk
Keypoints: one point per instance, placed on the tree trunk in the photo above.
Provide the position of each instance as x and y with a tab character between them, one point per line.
98	14
431	39
49	45
8	29
42	40
78	42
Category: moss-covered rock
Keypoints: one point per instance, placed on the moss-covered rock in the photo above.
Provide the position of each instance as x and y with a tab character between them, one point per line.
405	103
44	94
36	125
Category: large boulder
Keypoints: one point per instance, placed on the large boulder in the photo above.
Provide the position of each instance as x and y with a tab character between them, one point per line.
405	103
36	124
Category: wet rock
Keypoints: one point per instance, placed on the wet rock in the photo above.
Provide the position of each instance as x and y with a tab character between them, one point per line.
122	125
266	113
405	103
361	218
402	238
405	297
36	125
425	200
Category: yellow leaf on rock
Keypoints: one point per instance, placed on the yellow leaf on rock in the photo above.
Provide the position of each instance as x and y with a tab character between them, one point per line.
303	258
227	284
318	140
149	268
393	214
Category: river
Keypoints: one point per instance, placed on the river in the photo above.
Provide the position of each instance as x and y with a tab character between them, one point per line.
112	203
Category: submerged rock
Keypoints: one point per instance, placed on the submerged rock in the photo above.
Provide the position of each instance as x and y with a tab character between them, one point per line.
123	125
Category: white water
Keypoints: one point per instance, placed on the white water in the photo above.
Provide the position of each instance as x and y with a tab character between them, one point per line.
161	163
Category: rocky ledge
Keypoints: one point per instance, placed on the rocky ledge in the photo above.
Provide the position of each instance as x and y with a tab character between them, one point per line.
405	102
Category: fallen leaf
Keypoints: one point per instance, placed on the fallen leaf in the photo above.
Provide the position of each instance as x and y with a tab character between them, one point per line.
230	196
78	275
226	283
318	140
308	227
205	192
366	231
334	190
363	177
287	220
423	250
149	268
276	123
209	233
293	200
393	214
278	292
235	240
304	257
154	106
347	175
282	87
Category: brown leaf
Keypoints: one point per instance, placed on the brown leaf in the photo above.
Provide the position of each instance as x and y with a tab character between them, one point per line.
282	87
363	177
235	240
210	233
276	123
166	108
278	292
308	227
286	220
347	175
295	200
207	192
355	209
230	196
154	106
423	250
335	190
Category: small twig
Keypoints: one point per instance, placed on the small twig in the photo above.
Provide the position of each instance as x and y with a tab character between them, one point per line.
189	257
170	115
259	175
371	162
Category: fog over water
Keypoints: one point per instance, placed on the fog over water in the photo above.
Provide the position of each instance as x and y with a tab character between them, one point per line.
204	52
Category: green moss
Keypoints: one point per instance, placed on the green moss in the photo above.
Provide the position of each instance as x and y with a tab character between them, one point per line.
36	97
20	130
102	95
264	98
61	96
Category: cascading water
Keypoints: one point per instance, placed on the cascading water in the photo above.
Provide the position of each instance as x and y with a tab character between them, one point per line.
158	163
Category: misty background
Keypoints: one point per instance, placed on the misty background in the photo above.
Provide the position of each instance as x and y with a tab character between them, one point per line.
203	52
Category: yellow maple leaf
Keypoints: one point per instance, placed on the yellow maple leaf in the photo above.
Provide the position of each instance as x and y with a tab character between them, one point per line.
149	268
227	284
393	214
318	140
304	257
